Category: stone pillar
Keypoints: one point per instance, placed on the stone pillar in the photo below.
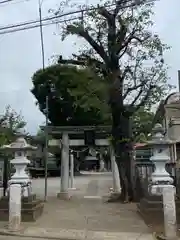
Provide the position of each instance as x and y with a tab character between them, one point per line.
14	207
169	207
102	168
115	174
64	167
72	172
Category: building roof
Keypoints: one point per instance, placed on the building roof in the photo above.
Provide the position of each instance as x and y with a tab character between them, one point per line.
160	112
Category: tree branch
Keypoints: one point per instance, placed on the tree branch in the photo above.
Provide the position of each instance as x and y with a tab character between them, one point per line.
84	34
130	89
111	39
71	61
82	60
85	60
119	6
123	41
145	98
107	15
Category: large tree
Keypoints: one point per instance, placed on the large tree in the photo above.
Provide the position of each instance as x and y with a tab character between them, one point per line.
141	121
124	50
75	95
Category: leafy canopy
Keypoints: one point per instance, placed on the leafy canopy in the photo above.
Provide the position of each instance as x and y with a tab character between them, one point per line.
62	88
75	95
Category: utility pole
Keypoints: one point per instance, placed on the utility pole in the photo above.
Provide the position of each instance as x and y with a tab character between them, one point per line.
41	34
179	79
46	152
47	107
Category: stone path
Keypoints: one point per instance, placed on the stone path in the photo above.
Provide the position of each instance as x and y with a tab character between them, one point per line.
92	188
89	218
92	214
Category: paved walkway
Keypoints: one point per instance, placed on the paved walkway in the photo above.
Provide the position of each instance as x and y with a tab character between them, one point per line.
90	217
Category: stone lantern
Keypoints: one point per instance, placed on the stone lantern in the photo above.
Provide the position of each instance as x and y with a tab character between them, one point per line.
161	155
20	204
20	148
159	204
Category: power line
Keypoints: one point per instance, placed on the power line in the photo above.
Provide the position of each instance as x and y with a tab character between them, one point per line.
36	22
49	18
5	1
12	2
69	13
36	26
9	1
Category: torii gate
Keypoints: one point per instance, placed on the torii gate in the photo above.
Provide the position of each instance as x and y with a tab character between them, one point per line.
64	142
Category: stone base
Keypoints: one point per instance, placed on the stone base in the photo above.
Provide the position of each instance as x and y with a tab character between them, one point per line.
32	209
72	188
63	196
151	210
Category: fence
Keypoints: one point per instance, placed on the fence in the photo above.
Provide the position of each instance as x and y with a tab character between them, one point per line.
143	170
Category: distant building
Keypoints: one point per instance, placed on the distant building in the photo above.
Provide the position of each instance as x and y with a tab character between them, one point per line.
168	114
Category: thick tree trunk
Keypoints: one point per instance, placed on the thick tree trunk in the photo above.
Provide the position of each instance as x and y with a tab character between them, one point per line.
122	142
121	131
124	167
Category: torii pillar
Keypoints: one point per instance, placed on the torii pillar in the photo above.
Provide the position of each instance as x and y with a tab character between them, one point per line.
64	194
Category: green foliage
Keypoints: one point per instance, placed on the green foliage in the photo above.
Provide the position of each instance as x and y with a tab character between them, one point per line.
10	123
142	125
78	96
123	48
72	83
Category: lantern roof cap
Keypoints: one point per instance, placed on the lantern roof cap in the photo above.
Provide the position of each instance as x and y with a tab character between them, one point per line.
19	144
158	137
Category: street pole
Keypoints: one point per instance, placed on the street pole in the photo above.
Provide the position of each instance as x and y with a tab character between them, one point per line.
46	153
47	107
41	34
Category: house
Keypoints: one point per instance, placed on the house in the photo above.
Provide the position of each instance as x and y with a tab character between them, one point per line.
168	114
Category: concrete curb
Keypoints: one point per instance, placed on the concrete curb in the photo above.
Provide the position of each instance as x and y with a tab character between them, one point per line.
161	236
21	235
80	237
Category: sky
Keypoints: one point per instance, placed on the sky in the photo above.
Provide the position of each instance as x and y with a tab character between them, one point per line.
20	52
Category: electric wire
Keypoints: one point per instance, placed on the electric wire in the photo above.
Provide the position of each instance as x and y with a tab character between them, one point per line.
6	1
11	26
13	3
9	2
37	26
48	18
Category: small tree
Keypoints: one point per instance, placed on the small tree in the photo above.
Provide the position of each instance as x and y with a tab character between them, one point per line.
124	50
10	123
